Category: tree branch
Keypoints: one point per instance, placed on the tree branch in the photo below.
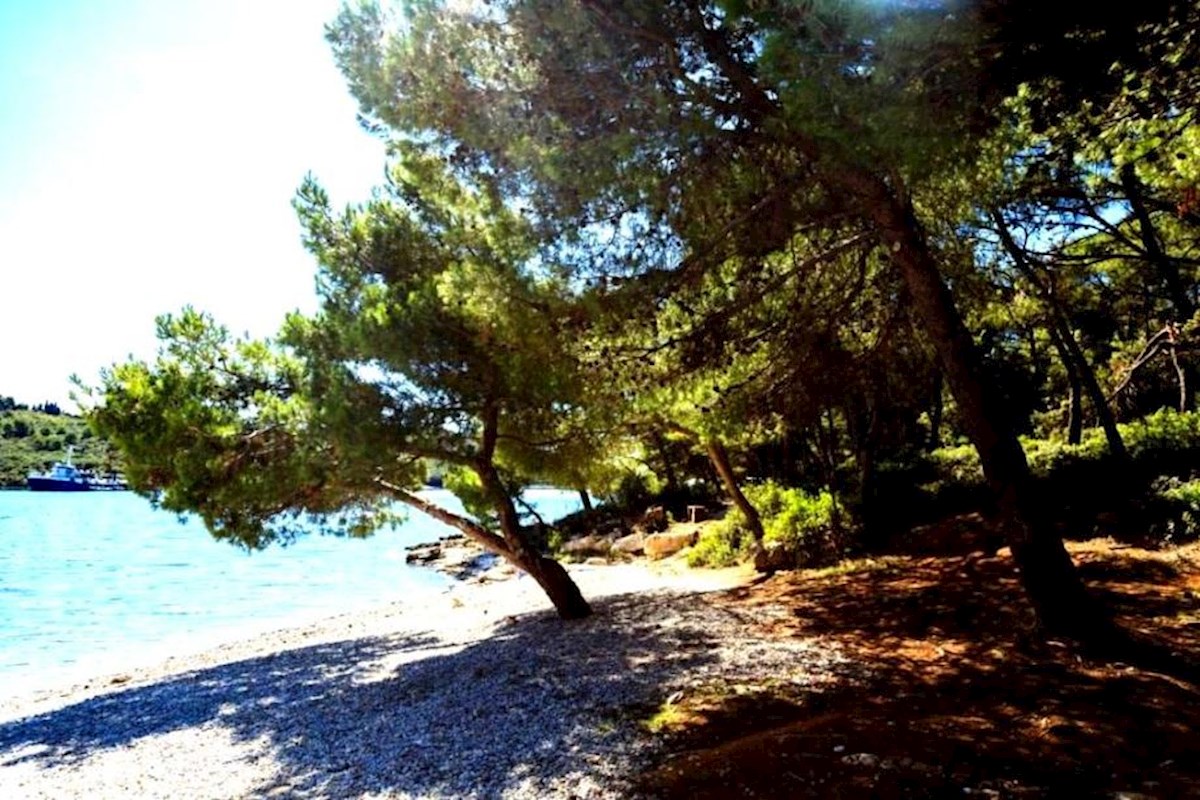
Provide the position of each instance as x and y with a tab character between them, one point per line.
471	529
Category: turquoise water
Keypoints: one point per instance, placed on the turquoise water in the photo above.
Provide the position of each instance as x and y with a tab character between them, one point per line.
89	580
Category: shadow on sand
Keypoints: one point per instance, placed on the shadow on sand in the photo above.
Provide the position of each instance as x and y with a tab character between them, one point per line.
539	701
962	696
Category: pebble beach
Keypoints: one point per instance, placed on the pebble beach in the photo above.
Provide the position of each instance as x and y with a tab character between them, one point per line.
480	692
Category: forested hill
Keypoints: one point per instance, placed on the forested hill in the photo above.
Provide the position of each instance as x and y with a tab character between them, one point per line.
33	438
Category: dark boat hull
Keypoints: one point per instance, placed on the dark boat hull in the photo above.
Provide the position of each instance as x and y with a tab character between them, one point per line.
52	485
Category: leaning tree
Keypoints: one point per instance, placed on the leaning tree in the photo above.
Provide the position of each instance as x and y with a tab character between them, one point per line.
434	341
670	136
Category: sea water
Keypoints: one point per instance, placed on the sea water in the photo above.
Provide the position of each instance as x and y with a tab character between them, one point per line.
92	580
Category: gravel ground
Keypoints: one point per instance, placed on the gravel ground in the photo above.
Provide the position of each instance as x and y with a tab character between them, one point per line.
479	694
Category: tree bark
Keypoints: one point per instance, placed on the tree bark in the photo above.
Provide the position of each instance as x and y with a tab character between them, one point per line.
1062	604
935	417
1087	375
865	445
1074	387
1167	267
719	457
555	582
1181	372
661	445
1168	270
515	548
1064	337
585	499
471	529
558	585
830	458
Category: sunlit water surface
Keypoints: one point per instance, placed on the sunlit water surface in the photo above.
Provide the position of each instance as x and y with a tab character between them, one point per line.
92	581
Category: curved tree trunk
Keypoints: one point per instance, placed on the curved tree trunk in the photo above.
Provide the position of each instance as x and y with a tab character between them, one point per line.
469	528
1168	270
719	457
1047	573
512	546
1087	376
1167	267
551	576
558	585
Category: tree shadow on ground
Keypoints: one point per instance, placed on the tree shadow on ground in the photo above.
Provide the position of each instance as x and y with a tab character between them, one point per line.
962	696
535	702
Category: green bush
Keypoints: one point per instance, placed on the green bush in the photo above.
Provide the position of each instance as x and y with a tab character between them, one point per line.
802	523
791	517
1174	515
1081	481
1185	493
958	464
1164	440
723	543
635	489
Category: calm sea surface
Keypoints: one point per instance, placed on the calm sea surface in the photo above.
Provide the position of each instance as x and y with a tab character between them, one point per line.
92	580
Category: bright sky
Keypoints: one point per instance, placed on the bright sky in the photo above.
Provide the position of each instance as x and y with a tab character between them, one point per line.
149	150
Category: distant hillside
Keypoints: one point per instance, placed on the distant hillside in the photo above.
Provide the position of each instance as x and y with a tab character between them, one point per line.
34	439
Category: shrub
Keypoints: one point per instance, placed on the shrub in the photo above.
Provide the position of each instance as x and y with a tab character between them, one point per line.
1080	481
1174	513
958	464
634	490
723	543
1185	493
549	539
800	522
1163	441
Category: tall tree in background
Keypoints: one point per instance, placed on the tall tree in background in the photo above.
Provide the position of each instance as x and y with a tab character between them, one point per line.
699	131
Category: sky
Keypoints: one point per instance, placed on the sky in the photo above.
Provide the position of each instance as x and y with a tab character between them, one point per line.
149	151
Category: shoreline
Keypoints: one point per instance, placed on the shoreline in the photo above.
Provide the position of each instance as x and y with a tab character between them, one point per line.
103	668
478	596
481	692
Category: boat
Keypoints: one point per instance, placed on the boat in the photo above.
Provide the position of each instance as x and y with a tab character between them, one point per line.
66	477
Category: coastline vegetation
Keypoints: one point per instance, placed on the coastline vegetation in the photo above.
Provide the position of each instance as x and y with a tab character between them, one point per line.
901	299
33	438
655	250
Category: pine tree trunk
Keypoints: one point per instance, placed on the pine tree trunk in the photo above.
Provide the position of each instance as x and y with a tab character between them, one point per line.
1064	338
1087	376
1168	270
831	479
719	457
935	418
668	468
1074	388
512	546
585	499
1047	573
1167	267
559	587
